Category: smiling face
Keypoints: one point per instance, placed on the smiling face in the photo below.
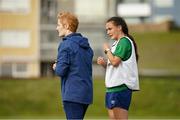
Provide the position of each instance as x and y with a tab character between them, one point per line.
114	32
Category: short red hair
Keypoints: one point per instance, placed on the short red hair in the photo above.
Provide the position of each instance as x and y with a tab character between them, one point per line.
67	18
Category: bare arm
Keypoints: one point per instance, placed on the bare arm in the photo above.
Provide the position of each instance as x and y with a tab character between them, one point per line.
114	60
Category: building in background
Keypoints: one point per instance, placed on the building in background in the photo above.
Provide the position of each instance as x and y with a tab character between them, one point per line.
19	38
28	36
149	11
91	26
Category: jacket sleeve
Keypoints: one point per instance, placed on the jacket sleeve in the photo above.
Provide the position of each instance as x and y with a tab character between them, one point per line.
63	60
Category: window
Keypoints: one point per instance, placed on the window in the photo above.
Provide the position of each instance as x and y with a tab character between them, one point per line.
12	38
6	70
88	10
49	37
20	70
22	6
49	11
21	67
13	70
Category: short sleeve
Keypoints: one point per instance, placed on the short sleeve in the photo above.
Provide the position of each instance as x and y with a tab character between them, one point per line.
123	49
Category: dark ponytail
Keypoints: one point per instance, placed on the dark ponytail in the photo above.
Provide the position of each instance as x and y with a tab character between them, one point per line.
119	21
135	46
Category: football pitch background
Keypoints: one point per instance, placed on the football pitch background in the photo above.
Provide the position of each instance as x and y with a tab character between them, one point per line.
159	51
159	97
40	98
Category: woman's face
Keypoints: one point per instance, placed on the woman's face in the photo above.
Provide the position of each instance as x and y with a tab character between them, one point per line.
61	29
113	31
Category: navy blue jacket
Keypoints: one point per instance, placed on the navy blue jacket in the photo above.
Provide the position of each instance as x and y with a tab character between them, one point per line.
74	66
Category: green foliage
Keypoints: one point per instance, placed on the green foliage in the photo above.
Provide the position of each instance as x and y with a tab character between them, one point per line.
40	98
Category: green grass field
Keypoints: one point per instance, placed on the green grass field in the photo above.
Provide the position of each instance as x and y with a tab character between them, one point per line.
40	98
159	50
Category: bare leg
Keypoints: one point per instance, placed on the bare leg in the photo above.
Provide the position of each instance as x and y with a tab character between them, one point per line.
118	114
111	114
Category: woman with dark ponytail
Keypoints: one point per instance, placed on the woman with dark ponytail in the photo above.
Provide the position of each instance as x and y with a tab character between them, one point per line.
121	68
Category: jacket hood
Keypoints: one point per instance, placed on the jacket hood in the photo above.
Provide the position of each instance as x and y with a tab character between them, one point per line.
79	39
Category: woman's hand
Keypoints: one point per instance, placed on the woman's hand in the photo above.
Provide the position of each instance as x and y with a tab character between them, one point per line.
101	61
